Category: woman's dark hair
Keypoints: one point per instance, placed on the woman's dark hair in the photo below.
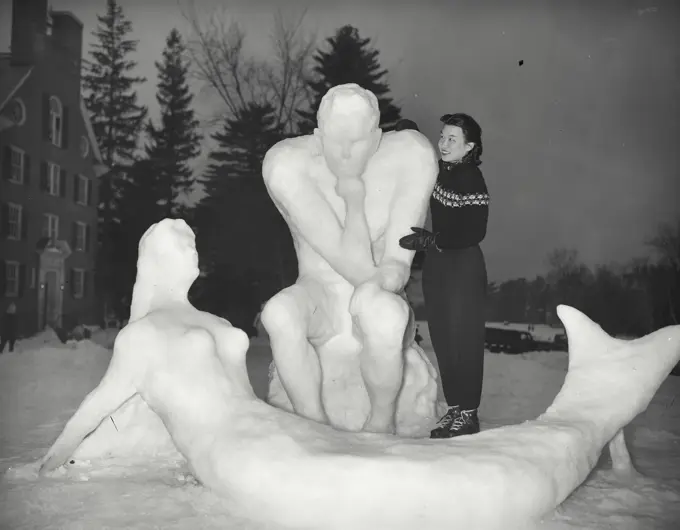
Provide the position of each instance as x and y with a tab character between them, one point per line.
472	132
405	123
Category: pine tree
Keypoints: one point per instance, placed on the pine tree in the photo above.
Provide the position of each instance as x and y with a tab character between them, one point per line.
111	100
241	237
174	143
242	144
117	120
350	59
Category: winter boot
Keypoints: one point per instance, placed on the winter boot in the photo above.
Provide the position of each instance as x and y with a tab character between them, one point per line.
456	422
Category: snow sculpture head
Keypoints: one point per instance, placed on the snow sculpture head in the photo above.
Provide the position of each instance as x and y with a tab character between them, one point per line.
348	131
167	266
167	250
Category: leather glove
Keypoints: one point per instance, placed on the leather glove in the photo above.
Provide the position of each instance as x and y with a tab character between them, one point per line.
420	239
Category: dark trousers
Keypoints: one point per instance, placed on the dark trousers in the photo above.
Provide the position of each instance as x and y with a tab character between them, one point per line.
10	340
454	286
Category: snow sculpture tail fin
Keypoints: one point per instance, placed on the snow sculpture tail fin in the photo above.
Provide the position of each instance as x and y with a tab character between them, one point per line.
589	345
610	381
584	337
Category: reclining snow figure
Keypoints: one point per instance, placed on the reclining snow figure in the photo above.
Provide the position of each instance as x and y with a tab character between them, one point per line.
343	336
189	367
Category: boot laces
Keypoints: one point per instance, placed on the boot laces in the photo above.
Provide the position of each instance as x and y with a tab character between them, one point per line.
452	415
463	419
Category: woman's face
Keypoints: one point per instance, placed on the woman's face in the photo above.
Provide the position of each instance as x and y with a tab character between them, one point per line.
452	145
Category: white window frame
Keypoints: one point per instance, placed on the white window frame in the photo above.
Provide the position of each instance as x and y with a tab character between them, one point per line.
78	283
84	147
22	108
56	120
85	182
53	179
52	223
15	223
81	236
22	165
15	266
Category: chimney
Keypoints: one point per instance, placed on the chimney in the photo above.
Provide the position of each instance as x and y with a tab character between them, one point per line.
29	28
67	35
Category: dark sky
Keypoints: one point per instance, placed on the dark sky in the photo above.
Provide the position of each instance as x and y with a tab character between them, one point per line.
580	142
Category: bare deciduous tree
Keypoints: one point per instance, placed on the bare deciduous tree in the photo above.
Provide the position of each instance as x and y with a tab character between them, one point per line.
221	63
562	262
666	242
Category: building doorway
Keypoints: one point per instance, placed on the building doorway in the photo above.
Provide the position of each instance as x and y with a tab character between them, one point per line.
51	274
52	300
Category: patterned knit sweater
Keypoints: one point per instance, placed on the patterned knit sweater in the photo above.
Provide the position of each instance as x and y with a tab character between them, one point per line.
459	206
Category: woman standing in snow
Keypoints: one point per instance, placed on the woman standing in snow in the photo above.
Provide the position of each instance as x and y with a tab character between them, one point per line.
454	273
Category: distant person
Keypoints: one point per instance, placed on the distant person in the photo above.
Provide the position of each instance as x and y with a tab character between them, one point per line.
9	328
454	272
405	124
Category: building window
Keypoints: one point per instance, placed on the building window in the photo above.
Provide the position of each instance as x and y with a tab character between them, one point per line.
82	189
53	179
78	283
16	173
11	278
56	120
17	111
84	147
31	280
14	218
48	23
50	226
81	236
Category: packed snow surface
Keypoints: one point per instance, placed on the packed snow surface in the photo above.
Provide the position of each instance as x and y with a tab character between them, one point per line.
44	381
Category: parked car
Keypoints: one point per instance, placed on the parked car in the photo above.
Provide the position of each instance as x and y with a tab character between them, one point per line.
560	341
508	340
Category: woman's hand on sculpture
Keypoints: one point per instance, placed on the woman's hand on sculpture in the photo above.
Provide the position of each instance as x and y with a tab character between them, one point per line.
420	239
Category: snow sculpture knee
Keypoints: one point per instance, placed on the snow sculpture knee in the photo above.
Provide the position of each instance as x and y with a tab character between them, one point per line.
343	336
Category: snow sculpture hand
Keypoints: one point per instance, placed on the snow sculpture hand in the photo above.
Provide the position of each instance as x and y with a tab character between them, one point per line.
351	188
393	276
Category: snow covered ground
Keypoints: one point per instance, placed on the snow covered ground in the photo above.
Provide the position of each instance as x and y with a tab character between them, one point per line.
43	382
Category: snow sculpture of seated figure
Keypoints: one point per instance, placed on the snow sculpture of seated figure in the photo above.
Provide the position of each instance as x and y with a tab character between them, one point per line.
272	466
343	336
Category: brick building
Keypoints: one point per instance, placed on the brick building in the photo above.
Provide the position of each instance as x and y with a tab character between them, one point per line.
49	166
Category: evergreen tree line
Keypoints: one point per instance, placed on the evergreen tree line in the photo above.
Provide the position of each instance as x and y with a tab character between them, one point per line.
245	247
632	299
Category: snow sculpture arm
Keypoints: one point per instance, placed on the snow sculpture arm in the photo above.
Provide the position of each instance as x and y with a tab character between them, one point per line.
118	385
408	209
310	216
356	234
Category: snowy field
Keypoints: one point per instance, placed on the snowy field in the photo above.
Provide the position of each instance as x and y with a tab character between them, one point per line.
43	382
